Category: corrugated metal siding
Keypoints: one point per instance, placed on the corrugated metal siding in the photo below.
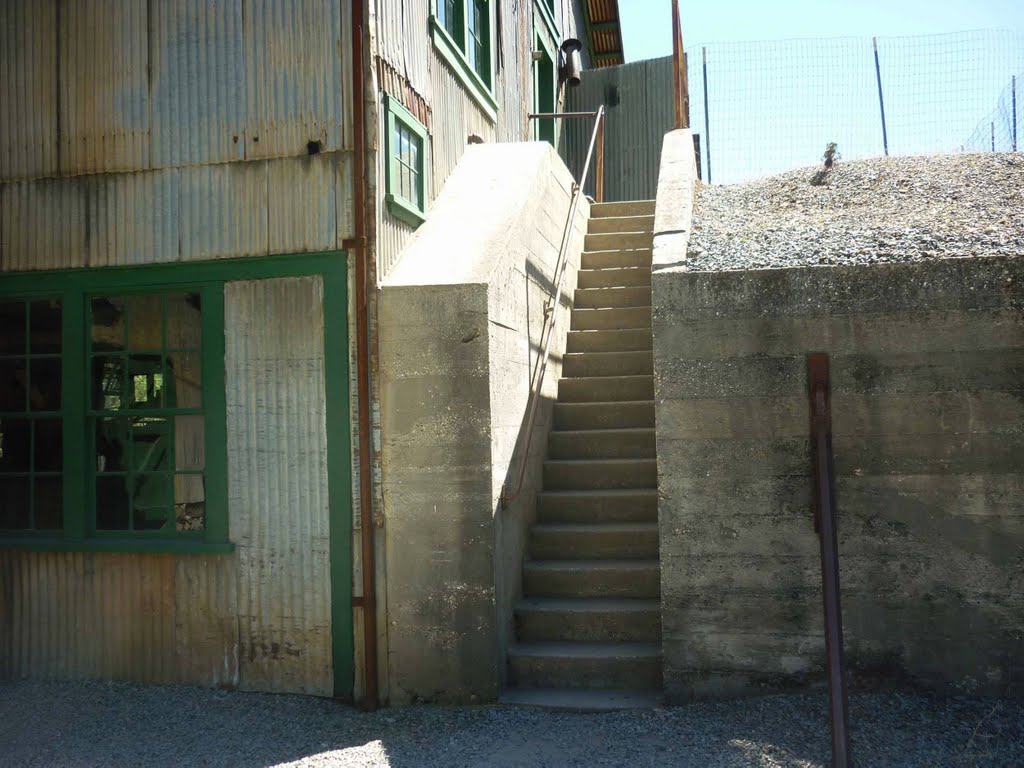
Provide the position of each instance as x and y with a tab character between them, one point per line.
403	41
296	77
638	103
291	205
277	459
199	103
28	88
104	86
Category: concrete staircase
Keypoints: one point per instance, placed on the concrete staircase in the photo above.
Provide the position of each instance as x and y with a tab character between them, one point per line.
588	629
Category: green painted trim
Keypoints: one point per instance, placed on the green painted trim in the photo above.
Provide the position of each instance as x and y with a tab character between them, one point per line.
449	50
339	478
215	415
74	348
400	206
141	545
549	21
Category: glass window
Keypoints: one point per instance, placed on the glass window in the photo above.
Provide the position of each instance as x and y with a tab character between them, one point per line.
31	415
478	49
406	183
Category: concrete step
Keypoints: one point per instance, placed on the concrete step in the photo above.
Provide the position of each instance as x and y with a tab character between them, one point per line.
604	224
597	298
592	578
620	666
625	340
605	259
594	541
588	619
605	506
625	208
621	415
613	277
615	318
605	389
595	474
582	364
618	241
601	444
581	700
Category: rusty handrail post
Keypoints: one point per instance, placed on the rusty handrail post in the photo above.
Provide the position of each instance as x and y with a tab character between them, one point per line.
599	165
819	394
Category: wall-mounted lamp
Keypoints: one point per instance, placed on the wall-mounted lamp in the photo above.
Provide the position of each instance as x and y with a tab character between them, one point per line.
571	68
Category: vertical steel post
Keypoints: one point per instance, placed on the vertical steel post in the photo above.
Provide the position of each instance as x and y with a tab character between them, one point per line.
707	126
819	393
992	125
599	168
1013	103
881	100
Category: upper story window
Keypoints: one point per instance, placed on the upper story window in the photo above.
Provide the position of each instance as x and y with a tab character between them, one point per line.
406	164
463	35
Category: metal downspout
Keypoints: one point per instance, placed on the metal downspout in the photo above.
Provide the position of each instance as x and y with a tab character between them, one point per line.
360	251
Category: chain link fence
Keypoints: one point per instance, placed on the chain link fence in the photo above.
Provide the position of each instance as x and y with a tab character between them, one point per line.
764	108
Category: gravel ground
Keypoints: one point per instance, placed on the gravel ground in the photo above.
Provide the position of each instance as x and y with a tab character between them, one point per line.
98	724
863	212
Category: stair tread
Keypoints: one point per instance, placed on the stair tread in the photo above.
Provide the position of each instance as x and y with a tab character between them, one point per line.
599	493
602	431
594	527
625	376
582	699
588	604
593	565
582	649
622	460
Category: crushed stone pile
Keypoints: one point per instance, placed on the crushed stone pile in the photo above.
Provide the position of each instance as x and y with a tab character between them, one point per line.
863	212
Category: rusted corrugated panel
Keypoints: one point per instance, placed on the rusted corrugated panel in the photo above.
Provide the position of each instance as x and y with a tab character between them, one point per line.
198	94
28	88
71	615
43	224
133	218
461	118
298	76
206	620
403	41
301	205
224	211
344	226
104	86
277	453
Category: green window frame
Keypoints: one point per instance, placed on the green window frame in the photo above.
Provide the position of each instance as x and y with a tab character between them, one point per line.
463	35
545	9
406	144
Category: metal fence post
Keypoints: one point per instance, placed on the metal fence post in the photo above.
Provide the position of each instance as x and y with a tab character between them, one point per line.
881	100
992	125
707	127
1013	102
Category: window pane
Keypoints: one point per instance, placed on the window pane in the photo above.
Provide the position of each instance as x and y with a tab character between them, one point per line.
113	451
189	502
151	500
145	322
13	397
183	380
14	502
15	445
12	328
184	316
108	384
48	447
146	388
150	444
48	503
112	503
45	326
108	324
46	385
189	442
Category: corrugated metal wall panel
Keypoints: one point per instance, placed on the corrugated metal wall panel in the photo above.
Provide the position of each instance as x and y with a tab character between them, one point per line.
43	224
461	118
104	86
403	41
301	204
206	620
296	79
199	106
277	454
71	615
223	211
133	218
639	111
28	84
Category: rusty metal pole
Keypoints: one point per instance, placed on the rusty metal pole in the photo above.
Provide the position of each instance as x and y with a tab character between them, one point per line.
819	392
599	169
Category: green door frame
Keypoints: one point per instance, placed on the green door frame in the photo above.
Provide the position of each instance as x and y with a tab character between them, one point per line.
333	270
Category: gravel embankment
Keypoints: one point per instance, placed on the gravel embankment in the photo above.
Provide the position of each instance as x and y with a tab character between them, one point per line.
863	212
96	724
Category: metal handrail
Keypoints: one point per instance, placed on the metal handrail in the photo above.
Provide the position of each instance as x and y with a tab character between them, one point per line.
550	309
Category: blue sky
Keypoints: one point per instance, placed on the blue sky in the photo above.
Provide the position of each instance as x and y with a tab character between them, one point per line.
647	28
788	76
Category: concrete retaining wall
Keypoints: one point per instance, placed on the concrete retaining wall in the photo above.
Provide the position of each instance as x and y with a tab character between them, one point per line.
460	324
928	418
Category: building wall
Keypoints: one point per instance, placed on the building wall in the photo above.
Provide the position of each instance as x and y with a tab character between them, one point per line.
928	440
410	69
458	347
134	134
257	619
